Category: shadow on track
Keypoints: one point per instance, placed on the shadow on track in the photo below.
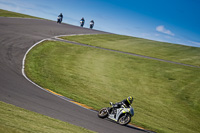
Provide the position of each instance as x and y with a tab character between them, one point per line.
131	127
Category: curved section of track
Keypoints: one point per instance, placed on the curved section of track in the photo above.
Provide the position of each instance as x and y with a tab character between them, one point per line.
16	37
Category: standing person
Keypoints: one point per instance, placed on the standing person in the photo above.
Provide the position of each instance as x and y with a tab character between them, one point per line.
82	21
91	24
60	18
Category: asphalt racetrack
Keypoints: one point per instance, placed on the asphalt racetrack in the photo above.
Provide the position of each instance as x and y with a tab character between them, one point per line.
17	35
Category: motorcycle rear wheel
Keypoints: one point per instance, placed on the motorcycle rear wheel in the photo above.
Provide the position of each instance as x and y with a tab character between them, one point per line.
124	119
103	113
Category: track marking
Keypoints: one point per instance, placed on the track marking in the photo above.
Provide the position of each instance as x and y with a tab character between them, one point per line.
136	126
82	105
77	103
54	92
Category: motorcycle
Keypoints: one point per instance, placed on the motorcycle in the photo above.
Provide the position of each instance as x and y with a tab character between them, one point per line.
59	20
81	23
120	115
91	25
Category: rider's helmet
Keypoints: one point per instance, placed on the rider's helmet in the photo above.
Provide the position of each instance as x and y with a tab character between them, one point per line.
130	99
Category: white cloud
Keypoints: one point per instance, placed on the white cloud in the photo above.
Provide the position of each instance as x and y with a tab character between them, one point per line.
162	29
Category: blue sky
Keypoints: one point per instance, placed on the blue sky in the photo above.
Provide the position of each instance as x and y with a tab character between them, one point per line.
174	21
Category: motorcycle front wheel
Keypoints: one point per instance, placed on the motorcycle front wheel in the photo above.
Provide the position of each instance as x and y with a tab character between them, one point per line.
103	113
124	119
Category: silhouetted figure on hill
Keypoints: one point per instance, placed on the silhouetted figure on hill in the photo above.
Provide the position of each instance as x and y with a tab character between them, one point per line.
60	18
82	21
91	24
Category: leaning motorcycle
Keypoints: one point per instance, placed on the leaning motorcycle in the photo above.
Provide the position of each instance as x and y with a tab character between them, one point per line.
81	23
120	115
91	25
59	20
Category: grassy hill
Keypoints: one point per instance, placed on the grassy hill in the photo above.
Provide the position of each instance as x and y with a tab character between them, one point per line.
17	120
166	95
161	50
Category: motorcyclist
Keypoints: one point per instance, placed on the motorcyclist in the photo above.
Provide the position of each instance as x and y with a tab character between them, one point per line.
82	21
125	103
91	24
61	17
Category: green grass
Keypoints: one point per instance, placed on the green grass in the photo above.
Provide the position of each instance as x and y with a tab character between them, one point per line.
162	50
166	95
4	13
17	120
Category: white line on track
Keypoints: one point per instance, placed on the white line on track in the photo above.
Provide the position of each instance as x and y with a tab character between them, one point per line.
23	69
